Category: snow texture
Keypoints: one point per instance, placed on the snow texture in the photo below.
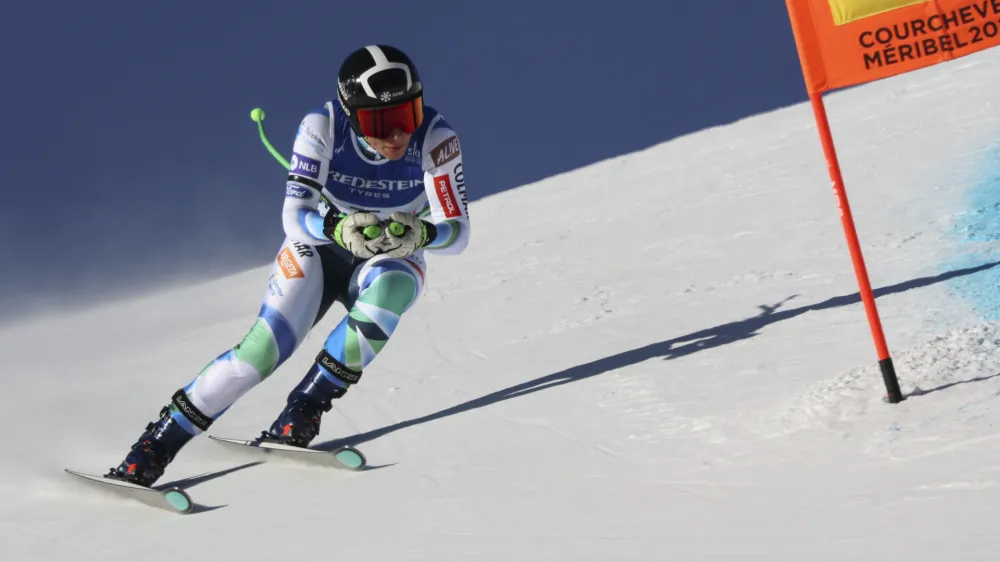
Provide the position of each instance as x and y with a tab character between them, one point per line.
685	375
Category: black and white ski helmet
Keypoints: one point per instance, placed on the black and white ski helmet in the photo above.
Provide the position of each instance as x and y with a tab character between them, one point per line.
376	76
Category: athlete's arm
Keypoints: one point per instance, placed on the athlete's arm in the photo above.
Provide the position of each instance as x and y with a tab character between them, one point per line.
307	173
444	181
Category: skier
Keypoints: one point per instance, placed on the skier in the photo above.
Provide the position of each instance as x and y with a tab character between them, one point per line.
364	171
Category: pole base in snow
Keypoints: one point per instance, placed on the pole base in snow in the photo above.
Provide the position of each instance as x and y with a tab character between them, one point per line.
891	382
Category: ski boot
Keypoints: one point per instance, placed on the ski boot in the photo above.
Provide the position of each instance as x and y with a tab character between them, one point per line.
298	424
158	445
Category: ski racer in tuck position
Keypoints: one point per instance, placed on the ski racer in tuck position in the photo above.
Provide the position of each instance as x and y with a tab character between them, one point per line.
375	180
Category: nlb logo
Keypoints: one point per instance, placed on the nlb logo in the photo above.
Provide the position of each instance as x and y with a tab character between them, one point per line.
303	165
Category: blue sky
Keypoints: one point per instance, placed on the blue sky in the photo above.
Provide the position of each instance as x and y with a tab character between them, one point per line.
129	159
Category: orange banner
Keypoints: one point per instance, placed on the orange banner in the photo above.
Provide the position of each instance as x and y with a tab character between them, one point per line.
847	42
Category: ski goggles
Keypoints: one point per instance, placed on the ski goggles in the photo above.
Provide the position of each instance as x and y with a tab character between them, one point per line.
381	121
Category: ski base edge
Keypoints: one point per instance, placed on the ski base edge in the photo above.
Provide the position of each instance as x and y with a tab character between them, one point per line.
171	499
343	458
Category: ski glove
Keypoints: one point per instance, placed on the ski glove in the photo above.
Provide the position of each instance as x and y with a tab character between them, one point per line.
405	233
359	233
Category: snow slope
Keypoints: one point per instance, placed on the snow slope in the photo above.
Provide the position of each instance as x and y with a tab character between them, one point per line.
685	376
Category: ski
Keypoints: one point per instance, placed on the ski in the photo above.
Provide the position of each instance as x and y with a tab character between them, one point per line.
170	499
344	458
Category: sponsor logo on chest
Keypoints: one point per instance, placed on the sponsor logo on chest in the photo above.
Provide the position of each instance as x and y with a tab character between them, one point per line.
413	155
378	188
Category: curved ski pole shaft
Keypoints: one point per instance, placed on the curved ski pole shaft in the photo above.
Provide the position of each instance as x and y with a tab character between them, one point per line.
257	114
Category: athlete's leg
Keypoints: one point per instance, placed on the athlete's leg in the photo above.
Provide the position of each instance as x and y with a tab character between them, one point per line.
379	293
303	284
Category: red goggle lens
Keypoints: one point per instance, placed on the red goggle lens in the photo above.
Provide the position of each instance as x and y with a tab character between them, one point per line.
379	122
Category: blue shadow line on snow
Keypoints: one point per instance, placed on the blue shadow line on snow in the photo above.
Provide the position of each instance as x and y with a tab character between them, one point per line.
922	392
669	349
193	481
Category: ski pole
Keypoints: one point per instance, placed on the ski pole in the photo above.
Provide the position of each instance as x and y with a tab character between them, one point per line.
257	114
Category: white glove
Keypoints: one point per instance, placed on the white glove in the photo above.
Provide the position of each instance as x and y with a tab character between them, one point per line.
359	233
404	234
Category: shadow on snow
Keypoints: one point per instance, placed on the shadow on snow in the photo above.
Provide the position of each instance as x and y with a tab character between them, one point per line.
670	349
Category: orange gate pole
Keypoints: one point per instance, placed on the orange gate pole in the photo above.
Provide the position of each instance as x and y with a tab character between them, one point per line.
884	360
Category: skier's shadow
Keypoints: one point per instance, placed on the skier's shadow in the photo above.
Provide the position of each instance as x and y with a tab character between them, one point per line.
921	392
670	349
192	481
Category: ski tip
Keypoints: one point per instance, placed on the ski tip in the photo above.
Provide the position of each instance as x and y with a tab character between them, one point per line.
351	458
179	500
171	499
